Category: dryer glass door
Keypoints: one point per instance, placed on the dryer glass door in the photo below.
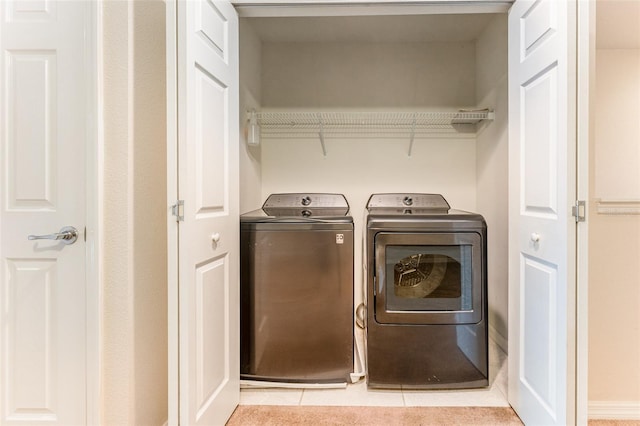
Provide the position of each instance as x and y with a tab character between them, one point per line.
429	278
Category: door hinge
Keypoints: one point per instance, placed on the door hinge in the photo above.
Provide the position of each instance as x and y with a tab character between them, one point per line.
579	211
177	210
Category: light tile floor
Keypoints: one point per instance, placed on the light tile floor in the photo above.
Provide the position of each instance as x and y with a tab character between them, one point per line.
357	394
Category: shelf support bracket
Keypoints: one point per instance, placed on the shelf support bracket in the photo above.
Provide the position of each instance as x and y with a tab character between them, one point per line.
321	135
253	135
412	136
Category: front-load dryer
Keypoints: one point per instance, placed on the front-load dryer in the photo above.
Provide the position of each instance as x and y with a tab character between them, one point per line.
426	295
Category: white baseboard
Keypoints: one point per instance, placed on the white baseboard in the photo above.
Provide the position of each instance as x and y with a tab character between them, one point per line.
500	340
614	410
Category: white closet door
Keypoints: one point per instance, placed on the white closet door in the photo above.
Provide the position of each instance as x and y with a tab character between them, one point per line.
542	232
208	238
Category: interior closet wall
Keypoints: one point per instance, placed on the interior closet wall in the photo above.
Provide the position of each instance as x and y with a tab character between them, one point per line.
358	76
250	99
492	167
614	235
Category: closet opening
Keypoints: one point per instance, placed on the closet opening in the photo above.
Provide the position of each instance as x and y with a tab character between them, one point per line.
366	71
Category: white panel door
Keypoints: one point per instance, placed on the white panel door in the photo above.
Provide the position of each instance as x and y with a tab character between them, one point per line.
542	180
43	132
209	294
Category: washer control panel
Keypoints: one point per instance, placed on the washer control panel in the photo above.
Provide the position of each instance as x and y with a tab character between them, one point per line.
306	204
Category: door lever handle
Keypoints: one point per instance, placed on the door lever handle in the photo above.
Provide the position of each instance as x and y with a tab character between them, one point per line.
67	234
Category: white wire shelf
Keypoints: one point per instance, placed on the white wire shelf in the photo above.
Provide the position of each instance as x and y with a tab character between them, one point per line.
288	124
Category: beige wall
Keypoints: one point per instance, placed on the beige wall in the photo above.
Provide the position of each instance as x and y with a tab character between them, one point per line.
134	283
614	240
617	148
614	309
614	215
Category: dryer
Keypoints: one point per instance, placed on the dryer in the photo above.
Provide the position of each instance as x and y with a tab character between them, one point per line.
426	296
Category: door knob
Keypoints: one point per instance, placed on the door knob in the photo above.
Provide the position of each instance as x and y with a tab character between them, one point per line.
67	234
535	237
215	237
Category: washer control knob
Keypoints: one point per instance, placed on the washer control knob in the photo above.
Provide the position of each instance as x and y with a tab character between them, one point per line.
407	201
306	200
306	213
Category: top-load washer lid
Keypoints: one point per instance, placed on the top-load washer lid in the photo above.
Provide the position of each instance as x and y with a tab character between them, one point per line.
306	205
404	203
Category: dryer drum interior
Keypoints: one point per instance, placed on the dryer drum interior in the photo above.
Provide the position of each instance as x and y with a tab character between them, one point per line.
419	275
436	274
428	277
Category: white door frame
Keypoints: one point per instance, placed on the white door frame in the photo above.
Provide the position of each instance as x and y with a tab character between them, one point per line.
94	218
173	342
586	22
281	8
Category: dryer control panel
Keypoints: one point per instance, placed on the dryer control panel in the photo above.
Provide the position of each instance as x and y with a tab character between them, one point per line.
435	202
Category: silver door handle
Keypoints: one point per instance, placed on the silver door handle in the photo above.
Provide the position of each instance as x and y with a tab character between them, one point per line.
67	234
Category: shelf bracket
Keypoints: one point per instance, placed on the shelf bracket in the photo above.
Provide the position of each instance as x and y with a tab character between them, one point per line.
412	136
321	135
253	135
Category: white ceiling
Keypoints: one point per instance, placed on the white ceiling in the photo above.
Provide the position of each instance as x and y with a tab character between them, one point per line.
618	24
381	29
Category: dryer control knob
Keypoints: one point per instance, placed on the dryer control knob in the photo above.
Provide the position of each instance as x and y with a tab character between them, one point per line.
407	201
306	200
